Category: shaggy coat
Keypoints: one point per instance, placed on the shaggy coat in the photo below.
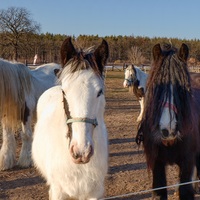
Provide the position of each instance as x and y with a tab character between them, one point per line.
169	69
74	157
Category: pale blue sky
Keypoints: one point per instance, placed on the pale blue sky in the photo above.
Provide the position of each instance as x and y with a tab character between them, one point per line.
151	18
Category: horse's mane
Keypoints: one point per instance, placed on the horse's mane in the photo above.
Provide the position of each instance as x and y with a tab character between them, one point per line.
15	84
84	59
168	76
168	71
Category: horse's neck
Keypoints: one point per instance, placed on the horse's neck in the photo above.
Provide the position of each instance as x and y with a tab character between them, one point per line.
142	77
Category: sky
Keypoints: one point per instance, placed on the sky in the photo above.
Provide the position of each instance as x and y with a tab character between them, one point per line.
146	18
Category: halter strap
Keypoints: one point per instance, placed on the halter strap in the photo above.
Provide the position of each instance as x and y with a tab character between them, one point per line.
132	80
71	120
66	108
170	105
86	120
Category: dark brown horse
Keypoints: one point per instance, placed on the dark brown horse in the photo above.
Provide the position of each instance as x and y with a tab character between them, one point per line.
170	125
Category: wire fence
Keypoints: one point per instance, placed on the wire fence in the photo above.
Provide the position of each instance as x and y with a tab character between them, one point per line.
151	190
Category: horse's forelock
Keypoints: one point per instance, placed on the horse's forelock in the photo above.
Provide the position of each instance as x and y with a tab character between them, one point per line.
130	67
169	71
82	60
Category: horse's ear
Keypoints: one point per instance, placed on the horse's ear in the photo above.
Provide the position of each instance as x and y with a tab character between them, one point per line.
101	55
157	52
67	51
184	52
133	68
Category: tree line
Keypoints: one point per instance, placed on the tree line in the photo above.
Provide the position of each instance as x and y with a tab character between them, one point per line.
21	40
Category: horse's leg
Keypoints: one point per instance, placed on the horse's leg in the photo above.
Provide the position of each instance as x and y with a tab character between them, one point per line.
8	148
26	136
141	109
186	171
159	180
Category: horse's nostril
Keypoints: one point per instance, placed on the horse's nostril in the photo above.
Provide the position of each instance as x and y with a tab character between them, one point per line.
74	154
165	132
91	152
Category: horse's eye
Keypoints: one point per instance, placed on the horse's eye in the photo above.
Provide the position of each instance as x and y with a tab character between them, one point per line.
100	93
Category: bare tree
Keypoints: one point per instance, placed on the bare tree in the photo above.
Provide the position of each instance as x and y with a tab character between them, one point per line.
135	56
15	25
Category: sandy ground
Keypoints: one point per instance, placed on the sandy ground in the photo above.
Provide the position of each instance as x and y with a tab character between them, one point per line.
128	177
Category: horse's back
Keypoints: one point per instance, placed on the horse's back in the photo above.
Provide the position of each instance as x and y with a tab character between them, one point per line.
47	69
44	77
46	73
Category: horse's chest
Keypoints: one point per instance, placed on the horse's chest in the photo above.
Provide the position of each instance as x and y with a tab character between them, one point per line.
170	154
139	92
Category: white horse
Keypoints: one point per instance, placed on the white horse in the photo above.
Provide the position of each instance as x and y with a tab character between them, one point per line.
20	89
136	78
70	144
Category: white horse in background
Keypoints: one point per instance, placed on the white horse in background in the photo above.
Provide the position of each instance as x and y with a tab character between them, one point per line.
70	144
20	89
136	78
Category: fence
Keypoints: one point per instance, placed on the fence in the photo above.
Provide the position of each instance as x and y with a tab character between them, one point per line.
194	69
146	68
122	66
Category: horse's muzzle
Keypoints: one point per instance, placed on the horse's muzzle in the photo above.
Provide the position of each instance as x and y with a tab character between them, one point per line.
126	84
81	157
169	138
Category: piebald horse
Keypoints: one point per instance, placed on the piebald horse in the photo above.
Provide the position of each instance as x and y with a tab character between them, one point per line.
136	79
70	145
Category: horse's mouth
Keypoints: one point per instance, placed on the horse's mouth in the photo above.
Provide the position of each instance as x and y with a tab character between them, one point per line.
82	158
167	142
81	161
168	139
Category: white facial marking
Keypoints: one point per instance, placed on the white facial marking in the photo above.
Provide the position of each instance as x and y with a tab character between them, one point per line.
168	117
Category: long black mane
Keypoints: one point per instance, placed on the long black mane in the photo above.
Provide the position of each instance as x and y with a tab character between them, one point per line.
169	71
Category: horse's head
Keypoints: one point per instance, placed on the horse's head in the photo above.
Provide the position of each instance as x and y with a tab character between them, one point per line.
174	81
83	85
168	121
130	76
137	78
168	96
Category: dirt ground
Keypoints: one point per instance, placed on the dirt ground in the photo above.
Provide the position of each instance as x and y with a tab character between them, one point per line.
128	177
